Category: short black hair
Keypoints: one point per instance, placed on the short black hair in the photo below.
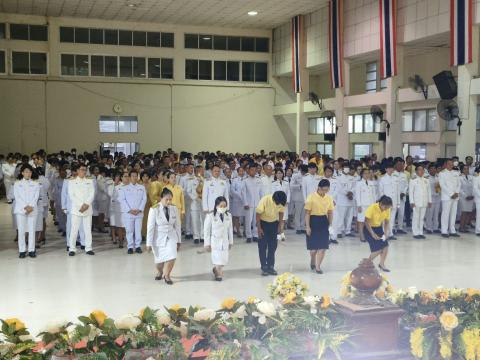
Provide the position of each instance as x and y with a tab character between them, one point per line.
312	165
385	200
324	183
166	191
279	198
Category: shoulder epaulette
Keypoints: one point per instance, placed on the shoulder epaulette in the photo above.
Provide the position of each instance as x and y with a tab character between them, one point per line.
154	206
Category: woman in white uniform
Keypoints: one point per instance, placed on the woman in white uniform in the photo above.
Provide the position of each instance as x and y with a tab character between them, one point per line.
115	209
237	194
281	185
218	236
164	235
42	205
365	195
466	198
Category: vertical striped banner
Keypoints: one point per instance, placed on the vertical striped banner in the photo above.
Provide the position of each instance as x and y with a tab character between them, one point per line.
335	42
461	14
297	46
388	38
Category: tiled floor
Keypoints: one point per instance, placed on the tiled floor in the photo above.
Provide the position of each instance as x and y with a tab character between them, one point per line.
54	286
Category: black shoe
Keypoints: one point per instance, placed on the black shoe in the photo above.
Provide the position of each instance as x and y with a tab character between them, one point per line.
90	252
350	235
169	281
312	267
272	271
418	237
400	231
319	271
392	238
423	237
159	277
429	231
130	251
249	240
265	272
120	246
454	235
189	237
196	241
383	268
77	244
339	236
71	253
138	250
67	248
218	278
437	231
59	230
477	234
333	241
22	255
82	247
299	232
64	234
255	239
445	235
32	254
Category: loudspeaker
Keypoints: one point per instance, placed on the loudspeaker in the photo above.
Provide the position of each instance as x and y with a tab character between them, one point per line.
329	137
382	136
446	85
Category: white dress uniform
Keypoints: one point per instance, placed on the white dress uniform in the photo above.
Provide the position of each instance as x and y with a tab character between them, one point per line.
420	195
195	207
388	185
267	182
403	189
67	210
237	194
218	234
466	190
109	183
476	194
133	197
81	191
101	196
310	184
213	188
433	212
253	192
115	209
26	193
343	213
450	184
8	171
163	234
365	195
184	181
42	202
297	201
57	199
285	187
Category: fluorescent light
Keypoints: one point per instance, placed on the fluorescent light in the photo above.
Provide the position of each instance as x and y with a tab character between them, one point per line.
132	5
206	38
252	13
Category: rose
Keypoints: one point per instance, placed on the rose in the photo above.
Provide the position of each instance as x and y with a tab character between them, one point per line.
127	322
164	318
448	320
228	303
266	308
54	327
99	316
19	325
204	315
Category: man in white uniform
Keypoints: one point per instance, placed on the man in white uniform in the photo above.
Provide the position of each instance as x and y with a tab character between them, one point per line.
433	212
420	199
194	194
343	213
213	188
253	191
388	185
449	180
267	180
310	181
81	192
403	188
296	197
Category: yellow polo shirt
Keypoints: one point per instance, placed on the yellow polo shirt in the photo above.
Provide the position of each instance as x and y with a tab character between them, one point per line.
268	210
376	215
178	199
319	164
319	205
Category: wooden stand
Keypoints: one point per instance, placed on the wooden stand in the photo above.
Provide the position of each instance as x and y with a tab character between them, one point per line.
375	331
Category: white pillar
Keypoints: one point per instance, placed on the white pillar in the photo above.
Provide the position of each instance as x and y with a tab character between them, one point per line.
301	126
342	139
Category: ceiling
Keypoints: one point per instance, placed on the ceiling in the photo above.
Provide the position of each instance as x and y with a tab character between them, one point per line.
223	13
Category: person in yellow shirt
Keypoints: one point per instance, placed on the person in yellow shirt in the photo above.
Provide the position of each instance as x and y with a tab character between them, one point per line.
377	224
155	188
178	198
317	160
318	221
269	216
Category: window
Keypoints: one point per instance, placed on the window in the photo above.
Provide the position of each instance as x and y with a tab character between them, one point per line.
96	36
111	66
233	43
205	42
248	44
262	45
248	71
383	84
322	126
226	70
361	150
167	68
191	69
82	36
419	120
3	69
111	37
29	32
325	149
125	38
362	123
261	71
220	70
125	148
191	41
97	65
29	63
255	72
2	31
450	150
417	151
371	83
220	42
139	38
67	34
126	66
233	70
205	70
478	117
118	124
153	39
168	40
74	65
139	68
154	68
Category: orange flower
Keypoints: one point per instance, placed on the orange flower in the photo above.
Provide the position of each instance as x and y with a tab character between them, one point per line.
326	302
19	325
229	303
289	298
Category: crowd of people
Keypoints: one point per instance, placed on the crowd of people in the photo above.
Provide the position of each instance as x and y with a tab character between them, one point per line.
211	197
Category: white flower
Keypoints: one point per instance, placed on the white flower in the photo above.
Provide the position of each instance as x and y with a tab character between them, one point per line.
237	343
204	315
262	319
54	327
240	313
164	318
311	300
71	330
24	338
183	329
412	291
94	332
267	308
127	322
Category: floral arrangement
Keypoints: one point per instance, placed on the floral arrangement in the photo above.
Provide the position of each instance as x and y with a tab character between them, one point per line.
384	292
443	324
292	324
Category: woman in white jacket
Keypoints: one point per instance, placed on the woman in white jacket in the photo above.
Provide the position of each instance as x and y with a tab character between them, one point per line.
365	195
218	236
282	185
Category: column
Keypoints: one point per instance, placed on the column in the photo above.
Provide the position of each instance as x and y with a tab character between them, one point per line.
342	140
301	125
467	105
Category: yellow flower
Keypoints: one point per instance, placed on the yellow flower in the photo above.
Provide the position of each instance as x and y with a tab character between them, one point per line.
380	294
389	289
175	307
229	303
289	298
425	297
142	311
471	342
326	302
448	320
99	316
19	325
344	292
346	279
252	300
416	343
446	346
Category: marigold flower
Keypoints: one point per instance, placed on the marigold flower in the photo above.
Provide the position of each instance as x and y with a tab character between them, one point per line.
99	316
19	325
448	320
229	303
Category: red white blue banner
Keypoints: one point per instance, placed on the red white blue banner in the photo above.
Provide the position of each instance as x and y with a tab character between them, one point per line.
297	46
461	13
335	42
388	38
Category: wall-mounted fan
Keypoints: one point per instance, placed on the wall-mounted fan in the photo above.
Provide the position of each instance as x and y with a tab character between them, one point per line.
418	85
448	111
315	100
377	116
329	115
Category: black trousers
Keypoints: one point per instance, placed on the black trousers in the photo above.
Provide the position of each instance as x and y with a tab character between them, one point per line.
267	245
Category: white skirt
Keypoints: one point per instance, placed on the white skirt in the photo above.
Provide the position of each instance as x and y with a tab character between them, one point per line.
165	253
236	208
219	257
466	205
116	219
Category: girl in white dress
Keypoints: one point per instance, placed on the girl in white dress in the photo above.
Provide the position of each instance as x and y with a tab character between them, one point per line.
282	185
164	235
218	235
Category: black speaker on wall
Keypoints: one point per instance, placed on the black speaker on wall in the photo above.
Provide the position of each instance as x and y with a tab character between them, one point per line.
446	85
382	136
329	137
